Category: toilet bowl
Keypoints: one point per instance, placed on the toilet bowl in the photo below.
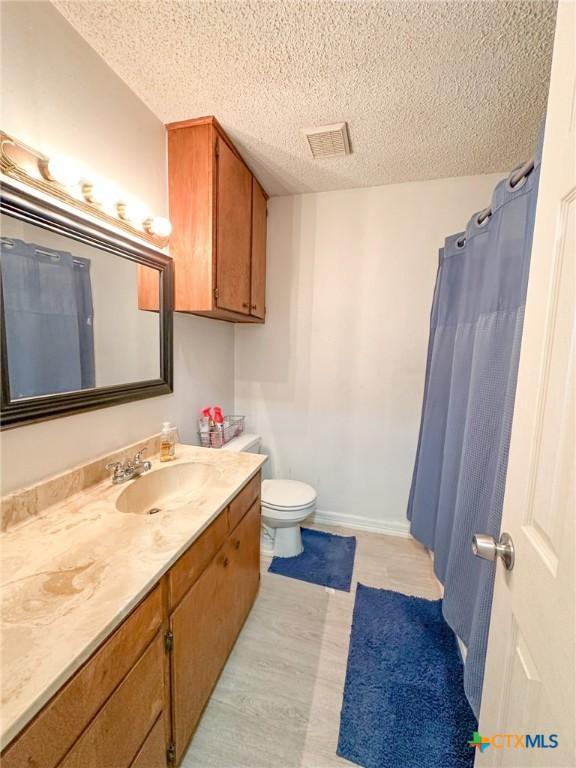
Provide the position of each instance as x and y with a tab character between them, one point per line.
285	505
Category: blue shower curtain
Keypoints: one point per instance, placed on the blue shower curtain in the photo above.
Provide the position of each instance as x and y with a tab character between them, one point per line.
460	470
48	319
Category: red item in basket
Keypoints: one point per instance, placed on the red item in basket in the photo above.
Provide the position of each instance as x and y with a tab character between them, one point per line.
217	437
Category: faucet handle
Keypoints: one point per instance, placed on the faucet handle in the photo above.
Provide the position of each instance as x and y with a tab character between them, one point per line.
116	467
138	458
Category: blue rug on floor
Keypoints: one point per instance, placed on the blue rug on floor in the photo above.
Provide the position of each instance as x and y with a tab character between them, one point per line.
327	560
404	703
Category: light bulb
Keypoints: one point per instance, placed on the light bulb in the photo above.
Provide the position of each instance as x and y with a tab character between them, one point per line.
158	226
100	193
134	211
60	169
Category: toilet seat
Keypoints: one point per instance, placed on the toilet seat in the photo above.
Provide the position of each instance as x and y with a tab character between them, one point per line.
286	495
277	508
288	513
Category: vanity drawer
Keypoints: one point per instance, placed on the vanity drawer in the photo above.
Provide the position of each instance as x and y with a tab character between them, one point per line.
119	730
242	503
55	729
189	567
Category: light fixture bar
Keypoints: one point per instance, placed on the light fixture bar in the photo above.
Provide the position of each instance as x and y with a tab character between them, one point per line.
60	177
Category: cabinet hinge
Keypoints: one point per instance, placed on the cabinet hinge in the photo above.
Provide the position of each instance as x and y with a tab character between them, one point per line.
171	754
168	641
216	293
217	148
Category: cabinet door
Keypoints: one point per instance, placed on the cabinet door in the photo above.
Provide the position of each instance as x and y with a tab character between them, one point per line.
152	753
234	224
258	274
148	288
244	548
203	636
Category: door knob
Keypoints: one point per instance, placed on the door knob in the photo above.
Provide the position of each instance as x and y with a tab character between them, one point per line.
488	548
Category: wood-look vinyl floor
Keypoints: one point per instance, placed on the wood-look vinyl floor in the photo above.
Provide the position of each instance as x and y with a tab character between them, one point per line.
277	703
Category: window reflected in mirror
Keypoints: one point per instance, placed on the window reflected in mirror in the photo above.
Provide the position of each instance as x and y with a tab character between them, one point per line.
72	319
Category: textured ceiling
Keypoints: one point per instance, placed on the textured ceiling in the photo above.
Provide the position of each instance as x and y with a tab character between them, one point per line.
429	89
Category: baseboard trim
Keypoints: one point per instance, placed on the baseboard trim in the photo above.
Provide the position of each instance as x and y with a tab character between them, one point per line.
371	524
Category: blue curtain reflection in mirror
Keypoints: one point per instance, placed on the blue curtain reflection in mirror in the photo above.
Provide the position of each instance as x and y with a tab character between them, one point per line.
48	316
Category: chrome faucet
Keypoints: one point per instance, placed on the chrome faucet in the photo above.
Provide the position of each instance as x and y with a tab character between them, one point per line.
129	469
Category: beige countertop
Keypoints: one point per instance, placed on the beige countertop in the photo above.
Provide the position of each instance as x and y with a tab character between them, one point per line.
73	573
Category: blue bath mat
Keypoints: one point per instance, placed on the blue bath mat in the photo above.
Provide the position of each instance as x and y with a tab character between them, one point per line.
327	560
404	703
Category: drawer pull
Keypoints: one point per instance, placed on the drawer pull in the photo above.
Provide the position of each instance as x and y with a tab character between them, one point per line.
225	562
237	544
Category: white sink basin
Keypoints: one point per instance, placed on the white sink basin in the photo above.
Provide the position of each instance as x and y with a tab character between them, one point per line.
174	488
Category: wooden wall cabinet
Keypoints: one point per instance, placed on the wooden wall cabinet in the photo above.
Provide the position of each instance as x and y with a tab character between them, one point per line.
218	215
137	701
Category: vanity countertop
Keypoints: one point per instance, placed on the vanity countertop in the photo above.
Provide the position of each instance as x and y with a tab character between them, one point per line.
74	572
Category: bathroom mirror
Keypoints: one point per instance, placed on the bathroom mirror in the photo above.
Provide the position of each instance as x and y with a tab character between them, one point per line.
77	333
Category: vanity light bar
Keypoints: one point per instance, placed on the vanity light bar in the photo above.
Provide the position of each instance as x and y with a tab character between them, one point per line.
61	177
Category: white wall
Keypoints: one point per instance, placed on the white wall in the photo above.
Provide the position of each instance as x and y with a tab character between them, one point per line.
333	381
58	95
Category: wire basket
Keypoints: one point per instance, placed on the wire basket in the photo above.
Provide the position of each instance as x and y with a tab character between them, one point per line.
219	435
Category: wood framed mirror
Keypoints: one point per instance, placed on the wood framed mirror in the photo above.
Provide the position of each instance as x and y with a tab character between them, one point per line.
74	337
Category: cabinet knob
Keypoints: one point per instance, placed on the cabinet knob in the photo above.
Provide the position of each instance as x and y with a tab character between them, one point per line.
237	544
245	305
253	307
225	562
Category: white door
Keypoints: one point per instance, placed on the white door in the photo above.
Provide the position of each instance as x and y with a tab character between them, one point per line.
530	671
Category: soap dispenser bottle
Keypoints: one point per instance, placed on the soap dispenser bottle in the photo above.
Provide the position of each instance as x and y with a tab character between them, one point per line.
167	442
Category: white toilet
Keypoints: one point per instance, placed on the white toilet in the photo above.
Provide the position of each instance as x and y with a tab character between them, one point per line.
285	504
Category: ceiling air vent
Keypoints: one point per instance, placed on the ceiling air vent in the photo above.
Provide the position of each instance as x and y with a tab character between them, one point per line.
328	140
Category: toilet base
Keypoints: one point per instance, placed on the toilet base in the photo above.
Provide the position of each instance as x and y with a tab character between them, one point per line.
281	542
288	541
267	540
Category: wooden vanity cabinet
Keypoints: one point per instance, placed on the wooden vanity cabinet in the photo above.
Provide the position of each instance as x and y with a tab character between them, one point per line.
218	215
207	622
193	562
117	733
202	640
138	699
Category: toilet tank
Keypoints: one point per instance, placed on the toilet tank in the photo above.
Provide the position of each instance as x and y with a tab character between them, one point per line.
246	443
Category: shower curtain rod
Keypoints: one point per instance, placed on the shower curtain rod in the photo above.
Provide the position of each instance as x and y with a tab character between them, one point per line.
515	178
